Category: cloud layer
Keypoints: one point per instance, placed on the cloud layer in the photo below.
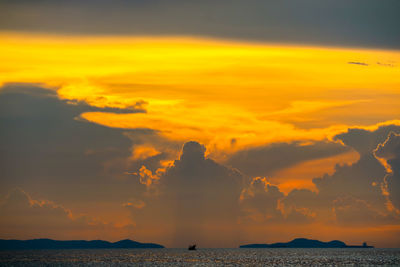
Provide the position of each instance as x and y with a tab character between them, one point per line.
340	22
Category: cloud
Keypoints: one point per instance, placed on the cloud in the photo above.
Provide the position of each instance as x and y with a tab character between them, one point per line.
364	141
12	91
389	152
196	200
192	199
157	85
260	200
45	149
266	160
24	217
386	64
357	63
311	21
200	199
352	195
362	179
142	152
301	200
360	182
202	193
351	211
137	204
360	196
263	204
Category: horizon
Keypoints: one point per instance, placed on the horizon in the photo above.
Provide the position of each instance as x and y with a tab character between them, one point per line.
88	240
226	122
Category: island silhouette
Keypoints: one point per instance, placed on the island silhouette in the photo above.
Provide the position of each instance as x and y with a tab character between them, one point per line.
306	243
44	243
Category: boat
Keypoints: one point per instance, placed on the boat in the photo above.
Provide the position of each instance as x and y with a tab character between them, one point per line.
192	247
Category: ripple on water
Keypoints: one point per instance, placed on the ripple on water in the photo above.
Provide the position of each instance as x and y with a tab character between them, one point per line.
202	257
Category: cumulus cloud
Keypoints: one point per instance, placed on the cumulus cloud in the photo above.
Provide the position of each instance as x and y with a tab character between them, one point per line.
202	193
196	193
260	200
364	141
361	179
200	199
354	194
262	203
196	200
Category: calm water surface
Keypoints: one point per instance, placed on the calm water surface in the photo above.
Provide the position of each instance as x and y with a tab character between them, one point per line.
202	257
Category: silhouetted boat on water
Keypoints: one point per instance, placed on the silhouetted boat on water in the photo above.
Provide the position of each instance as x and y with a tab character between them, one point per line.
192	247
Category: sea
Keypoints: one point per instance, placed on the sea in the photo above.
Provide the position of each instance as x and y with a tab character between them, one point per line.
202	257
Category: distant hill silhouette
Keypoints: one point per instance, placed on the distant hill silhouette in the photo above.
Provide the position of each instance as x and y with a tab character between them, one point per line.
306	243
72	244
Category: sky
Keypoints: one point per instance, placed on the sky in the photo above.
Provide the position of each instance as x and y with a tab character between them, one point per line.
219	123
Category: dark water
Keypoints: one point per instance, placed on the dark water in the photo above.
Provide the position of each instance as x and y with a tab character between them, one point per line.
202	257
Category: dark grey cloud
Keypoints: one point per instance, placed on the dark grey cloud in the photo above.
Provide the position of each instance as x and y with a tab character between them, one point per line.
23	217
263	203
364	141
13	91
362	179
354	195
200	194
350	211
370	23
301	199
46	150
202	200
357	63
355	187
265	160
260	199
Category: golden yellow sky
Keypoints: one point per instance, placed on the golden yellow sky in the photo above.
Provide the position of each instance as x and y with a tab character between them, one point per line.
210	90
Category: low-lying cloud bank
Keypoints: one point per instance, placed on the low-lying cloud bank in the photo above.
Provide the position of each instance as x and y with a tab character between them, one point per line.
23	217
